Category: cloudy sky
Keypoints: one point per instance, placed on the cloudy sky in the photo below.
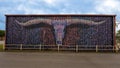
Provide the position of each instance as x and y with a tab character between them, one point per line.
58	7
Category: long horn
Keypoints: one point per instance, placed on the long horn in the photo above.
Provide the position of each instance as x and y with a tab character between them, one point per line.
34	21
82	21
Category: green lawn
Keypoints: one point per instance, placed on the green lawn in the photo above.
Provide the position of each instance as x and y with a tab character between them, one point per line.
1	47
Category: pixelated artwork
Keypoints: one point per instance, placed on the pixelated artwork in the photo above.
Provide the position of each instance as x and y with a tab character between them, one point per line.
60	30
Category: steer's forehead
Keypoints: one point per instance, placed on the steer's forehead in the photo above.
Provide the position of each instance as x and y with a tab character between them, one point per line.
59	22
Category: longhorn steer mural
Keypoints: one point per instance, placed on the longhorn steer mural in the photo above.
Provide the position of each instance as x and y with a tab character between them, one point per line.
59	25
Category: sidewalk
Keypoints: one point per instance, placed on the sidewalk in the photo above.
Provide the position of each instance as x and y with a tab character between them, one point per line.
1	42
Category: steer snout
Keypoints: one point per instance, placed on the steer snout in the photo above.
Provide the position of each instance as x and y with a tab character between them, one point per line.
59	31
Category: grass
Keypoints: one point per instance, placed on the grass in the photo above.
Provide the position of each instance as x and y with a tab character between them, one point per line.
1	47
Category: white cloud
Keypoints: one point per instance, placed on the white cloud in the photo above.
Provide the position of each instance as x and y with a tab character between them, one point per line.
117	25
107	6
44	7
50	1
29	10
69	11
54	2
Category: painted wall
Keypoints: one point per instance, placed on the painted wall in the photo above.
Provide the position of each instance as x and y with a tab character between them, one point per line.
77	33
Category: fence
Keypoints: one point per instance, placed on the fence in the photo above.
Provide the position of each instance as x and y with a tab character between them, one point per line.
58	48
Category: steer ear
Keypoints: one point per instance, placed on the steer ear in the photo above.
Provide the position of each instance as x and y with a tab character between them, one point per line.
34	21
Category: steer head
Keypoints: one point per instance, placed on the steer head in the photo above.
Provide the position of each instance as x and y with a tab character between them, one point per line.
59	25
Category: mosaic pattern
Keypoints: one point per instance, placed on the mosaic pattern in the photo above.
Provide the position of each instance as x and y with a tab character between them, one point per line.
60	30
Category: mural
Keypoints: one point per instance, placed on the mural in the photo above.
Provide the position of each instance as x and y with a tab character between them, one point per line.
60	30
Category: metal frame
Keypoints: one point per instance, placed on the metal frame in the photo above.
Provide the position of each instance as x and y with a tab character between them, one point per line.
75	48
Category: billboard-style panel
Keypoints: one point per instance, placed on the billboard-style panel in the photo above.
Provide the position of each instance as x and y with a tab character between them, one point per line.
62	30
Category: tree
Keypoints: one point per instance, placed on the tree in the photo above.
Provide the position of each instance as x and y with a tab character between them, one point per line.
118	37
2	34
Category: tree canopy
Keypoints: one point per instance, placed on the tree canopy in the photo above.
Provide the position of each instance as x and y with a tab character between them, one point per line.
2	33
118	37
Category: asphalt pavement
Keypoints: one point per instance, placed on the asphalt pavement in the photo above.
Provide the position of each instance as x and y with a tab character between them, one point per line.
59	60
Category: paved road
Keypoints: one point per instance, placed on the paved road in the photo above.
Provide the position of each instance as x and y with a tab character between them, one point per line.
58	60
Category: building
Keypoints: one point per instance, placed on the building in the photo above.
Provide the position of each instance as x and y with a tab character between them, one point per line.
60	30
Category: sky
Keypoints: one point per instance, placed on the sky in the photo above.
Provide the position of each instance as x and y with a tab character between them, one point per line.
58	7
